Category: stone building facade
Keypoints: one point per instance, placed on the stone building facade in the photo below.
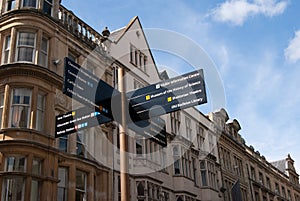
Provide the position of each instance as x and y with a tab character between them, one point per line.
35	37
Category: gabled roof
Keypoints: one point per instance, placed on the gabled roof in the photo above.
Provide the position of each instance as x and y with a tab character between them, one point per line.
117	35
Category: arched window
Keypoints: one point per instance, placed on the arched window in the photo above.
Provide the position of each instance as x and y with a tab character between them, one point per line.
140	189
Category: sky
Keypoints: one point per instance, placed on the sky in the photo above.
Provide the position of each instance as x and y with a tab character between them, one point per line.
254	45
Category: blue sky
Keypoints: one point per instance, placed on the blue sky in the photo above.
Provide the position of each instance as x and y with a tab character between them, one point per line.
255	45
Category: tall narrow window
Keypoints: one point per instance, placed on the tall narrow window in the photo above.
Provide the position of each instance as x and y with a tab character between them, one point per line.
62	191
1	106
10	5
40	112
36	166
176	158
20	108
80	186
35	190
139	146
26	46
43	57
188	128
29	3
6	50
13	189
203	173
80	145
47	8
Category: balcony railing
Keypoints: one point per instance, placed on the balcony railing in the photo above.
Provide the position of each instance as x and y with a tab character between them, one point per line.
79	28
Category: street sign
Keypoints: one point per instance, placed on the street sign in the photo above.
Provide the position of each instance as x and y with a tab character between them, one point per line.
86	88
145	104
168	96
79	119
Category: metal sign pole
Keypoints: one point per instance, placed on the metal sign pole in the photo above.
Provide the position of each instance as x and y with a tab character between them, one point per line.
124	173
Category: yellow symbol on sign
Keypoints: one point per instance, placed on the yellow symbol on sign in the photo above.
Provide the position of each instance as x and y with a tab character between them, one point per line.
73	113
148	97
169	99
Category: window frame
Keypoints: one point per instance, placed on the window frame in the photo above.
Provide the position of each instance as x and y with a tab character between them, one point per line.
6	49
1	107
6	184
23	2
63	186
28	106
78	190
51	6
44	54
34	48
12	5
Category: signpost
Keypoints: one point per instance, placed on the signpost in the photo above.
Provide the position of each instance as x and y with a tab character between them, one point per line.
145	107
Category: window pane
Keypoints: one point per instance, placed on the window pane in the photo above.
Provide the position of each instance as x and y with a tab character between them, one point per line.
1	106
29	3
25	46
15	164
40	112
47	8
35	191
20	108
6	49
80	186
63	144
43	53
13	189
26	39
36	166
10	4
63	184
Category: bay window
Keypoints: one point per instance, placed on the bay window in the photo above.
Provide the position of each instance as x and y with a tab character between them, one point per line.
20	108
29	3
26	46
6	49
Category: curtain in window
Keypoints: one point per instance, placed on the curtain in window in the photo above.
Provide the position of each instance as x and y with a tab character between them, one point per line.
26	46
10	5
20	108
43	56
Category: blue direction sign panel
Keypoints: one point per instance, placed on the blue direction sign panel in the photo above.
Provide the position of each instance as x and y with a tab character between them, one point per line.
85	87
79	119
168	96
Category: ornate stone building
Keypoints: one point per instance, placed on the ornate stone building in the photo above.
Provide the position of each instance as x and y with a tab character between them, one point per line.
258	178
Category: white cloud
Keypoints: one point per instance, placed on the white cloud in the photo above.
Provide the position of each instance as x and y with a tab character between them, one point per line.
237	11
292	52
